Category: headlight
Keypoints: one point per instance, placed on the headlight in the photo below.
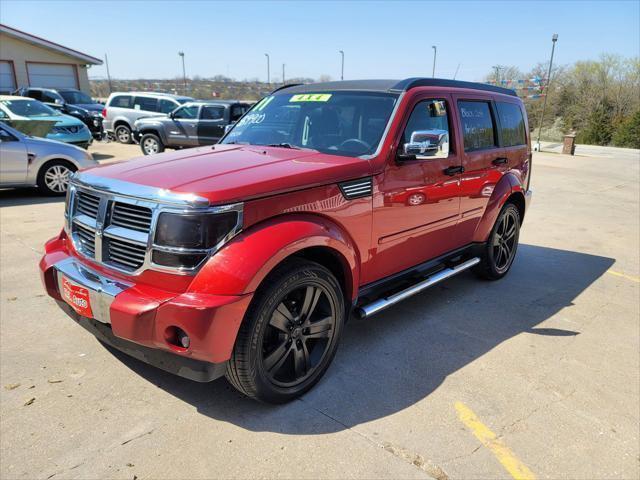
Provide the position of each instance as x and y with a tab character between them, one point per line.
57	130
183	240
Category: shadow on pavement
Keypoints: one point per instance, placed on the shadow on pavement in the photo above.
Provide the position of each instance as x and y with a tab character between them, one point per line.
12	197
391	361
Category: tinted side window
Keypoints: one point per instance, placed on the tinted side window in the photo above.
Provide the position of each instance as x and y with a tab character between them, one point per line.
189	112
147	104
237	111
49	97
37	94
477	125
428	126
121	101
166	106
212	113
511	124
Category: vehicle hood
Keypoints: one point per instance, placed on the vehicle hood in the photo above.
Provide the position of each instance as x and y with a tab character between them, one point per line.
61	120
228	173
91	107
151	118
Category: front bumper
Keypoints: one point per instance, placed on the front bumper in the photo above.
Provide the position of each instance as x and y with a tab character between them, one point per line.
137	318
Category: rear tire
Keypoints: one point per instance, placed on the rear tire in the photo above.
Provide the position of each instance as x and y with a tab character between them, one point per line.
123	134
290	333
151	144
500	249
53	177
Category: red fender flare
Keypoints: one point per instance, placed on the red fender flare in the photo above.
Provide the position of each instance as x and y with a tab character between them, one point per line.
505	187
241	265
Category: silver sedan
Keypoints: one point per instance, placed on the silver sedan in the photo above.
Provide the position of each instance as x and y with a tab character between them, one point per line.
31	161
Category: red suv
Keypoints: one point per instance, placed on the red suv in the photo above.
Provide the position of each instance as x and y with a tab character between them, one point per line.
246	258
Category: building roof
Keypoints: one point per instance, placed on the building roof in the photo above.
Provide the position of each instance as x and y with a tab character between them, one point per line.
41	42
392	86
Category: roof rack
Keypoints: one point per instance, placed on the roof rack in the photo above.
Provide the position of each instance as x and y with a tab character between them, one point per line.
409	83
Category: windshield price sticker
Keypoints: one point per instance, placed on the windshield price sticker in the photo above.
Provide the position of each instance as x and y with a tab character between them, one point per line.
311	97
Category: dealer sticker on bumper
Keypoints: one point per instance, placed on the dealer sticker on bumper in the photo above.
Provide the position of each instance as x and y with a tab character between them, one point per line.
77	297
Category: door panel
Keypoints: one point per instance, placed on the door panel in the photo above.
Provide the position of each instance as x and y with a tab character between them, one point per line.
416	205
182	129
480	158
13	160
211	124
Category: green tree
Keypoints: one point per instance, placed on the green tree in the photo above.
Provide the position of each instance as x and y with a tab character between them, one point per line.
628	133
599	127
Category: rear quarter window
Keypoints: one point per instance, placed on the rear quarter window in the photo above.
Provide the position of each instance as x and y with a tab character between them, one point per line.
121	101
511	124
478	131
148	104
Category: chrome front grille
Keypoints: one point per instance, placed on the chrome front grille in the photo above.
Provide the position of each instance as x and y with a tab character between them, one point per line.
131	216
125	255
86	240
87	204
118	229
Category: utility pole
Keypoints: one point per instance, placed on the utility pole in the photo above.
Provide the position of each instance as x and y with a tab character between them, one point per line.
497	69
435	51
342	65
184	74
283	81
106	62
554	39
268	69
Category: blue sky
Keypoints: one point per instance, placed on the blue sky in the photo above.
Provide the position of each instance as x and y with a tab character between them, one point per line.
380	39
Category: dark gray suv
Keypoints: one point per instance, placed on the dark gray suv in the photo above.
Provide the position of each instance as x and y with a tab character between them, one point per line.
190	125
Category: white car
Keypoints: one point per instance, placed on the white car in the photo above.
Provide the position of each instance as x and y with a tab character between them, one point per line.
31	161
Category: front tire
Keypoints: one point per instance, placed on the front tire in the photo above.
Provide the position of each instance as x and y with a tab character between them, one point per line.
123	134
290	333
53	177
502	245
150	144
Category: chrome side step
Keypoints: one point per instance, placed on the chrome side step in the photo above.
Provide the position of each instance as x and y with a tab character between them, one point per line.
382	303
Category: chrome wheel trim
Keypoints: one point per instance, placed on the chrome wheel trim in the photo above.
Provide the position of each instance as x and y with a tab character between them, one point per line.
56	178
123	135
150	145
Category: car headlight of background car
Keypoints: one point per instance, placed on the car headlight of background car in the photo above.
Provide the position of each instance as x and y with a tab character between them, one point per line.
185	240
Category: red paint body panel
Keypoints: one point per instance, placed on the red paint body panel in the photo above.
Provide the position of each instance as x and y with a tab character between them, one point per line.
292	202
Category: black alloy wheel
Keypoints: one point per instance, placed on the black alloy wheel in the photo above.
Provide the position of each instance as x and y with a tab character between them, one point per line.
290	333
298	335
500	249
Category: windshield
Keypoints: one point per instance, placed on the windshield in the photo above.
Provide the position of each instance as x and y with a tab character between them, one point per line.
76	98
338	123
29	108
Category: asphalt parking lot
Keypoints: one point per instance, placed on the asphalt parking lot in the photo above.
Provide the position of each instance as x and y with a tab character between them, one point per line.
538	374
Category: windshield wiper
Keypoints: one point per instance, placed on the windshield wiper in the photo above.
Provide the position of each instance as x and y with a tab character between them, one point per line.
283	145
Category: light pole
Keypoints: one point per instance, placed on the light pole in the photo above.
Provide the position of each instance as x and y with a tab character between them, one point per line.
342	65
435	51
106	62
554	39
497	69
268	69
184	74
283	74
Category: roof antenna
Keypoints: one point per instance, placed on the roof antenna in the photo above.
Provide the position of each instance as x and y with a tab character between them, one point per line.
456	74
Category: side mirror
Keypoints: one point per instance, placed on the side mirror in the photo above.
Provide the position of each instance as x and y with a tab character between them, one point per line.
426	144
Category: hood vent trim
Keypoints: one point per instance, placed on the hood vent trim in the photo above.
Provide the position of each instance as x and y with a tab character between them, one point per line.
362	187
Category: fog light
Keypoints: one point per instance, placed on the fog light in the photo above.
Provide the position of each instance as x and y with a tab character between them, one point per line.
177	337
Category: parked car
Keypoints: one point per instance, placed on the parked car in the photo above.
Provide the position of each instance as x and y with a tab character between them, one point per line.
70	102
123	109
65	128
31	161
190	125
245	259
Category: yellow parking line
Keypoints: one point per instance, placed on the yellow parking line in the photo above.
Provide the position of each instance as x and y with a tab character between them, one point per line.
624	275
509	461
